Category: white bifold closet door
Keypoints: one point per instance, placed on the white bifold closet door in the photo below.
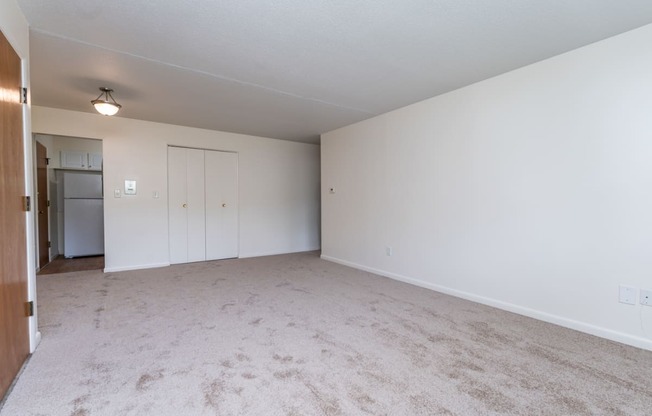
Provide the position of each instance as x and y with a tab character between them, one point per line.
203	205
221	205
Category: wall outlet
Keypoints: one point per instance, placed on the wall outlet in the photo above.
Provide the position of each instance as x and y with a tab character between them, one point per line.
627	295
646	297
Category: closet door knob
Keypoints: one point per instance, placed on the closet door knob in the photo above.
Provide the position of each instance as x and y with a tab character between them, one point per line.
223	205
185	205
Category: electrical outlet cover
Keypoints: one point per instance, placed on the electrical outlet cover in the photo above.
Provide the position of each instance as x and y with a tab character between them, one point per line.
646	297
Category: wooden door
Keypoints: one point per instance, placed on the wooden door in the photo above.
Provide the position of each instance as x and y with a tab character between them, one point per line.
221	205
42	204
14	332
187	222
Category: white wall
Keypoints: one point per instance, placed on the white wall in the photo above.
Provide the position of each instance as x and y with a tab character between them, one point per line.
530	191
15	28
278	185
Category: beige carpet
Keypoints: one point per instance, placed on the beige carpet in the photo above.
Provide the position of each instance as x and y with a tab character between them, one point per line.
296	335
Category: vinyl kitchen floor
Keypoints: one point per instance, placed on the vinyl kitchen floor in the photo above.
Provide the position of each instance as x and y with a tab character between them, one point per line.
78	264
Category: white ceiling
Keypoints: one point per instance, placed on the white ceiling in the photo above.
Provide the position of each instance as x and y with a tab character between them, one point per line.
292	69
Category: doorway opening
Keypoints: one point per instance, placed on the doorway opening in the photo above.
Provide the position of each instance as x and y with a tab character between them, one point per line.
70	204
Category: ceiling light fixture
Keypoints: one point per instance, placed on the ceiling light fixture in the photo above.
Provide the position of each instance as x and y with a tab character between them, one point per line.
103	105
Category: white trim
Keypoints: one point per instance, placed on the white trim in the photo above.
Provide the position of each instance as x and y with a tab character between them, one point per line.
30	218
521	310
136	267
34	342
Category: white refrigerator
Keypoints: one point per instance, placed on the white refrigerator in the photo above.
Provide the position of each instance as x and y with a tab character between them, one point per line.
83	214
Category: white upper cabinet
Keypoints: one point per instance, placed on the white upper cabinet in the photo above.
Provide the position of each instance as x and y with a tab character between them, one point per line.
72	159
95	161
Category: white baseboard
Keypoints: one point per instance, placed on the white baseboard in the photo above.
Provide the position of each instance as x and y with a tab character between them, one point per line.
135	267
621	337
275	253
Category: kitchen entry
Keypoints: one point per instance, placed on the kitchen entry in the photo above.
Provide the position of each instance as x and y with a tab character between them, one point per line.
75	204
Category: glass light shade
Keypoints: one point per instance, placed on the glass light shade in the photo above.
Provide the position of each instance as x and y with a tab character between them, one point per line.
105	104
107	109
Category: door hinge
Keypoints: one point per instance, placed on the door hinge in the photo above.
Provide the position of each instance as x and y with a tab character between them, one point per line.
27	203
29	308
47	160
49	244
24	95
48	203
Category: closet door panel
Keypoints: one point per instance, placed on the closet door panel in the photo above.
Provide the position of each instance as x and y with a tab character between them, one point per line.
177	213
221	205
196	205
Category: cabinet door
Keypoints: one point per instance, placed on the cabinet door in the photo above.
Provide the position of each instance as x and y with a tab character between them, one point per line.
177	211
221	205
73	159
95	161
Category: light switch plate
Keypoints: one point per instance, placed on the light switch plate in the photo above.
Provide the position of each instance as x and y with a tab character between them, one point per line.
130	187
627	295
